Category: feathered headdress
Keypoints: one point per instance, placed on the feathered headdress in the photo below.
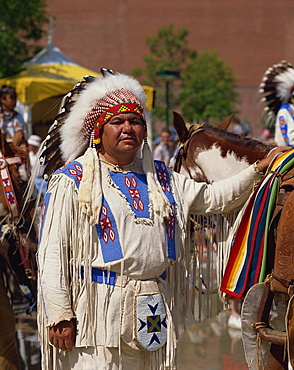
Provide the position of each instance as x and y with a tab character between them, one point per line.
85	109
76	130
277	89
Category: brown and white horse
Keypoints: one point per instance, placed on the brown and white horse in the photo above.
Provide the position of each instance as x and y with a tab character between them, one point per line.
210	154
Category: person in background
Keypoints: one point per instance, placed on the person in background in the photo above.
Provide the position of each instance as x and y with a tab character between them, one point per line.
164	150
266	137
277	88
11	122
34	142
113	253
247	127
284	128
13	127
238	129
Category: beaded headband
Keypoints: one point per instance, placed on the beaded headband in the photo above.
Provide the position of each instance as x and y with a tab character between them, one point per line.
114	103
113	111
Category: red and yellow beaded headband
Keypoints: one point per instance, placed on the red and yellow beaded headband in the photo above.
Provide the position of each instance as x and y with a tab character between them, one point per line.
113	103
113	111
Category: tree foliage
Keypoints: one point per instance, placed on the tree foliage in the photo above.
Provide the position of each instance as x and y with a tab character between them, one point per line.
168	52
208	89
21	27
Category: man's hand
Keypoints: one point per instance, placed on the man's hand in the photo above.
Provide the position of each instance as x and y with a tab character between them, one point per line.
62	335
264	163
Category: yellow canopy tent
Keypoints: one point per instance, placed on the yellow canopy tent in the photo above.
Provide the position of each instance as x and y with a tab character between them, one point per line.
40	87
41	81
42	84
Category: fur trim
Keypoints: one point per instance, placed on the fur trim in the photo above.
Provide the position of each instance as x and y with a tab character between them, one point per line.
71	131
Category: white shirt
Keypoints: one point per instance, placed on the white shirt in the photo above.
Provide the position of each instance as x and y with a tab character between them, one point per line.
68	239
284	128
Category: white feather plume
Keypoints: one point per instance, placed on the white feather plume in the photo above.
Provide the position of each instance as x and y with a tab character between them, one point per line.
285	82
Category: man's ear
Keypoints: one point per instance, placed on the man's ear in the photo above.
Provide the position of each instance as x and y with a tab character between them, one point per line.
99	148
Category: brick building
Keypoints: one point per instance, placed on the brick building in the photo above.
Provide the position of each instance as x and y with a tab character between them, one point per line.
250	35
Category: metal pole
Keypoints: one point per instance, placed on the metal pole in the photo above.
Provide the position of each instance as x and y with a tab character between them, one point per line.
167	102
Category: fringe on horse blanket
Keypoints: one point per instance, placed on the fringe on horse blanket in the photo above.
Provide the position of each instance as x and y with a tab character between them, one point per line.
247	262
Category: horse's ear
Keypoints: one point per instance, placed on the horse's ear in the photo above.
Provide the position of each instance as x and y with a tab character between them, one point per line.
226	123
180	126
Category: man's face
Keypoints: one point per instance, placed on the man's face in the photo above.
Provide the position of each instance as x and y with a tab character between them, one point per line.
165	137
8	102
33	148
122	136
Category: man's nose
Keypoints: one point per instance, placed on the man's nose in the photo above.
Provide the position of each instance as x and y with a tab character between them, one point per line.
127	127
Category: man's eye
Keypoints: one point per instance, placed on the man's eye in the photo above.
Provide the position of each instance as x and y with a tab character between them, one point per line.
136	122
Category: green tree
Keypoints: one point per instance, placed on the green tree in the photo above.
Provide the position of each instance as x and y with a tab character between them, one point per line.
208	89
21	27
168	52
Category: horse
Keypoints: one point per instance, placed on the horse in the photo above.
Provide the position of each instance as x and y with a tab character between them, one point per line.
207	153
15	214
201	144
17	247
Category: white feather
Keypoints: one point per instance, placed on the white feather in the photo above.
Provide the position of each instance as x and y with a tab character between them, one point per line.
285	82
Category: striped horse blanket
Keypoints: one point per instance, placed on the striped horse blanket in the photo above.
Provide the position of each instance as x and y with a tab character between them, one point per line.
248	257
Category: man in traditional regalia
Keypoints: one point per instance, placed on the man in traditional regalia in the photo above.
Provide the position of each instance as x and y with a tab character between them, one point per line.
277	88
113	258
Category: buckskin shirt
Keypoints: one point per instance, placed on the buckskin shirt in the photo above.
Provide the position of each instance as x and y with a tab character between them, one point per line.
113	272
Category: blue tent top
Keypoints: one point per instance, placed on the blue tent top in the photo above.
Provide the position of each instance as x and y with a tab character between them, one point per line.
50	55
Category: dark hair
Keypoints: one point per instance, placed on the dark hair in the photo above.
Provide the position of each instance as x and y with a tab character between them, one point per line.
166	130
7	90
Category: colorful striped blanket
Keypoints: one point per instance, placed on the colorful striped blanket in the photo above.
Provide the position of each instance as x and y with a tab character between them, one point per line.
247	262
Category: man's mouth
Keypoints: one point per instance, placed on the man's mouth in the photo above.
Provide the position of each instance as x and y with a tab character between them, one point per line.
129	138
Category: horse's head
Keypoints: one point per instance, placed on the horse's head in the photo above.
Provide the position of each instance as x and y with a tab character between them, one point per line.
209	153
185	163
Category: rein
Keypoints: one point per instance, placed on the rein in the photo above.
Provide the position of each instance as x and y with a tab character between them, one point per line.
7	185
